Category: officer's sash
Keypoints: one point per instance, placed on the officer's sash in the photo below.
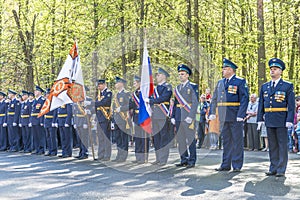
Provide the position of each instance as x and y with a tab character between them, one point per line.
162	106
181	100
136	99
122	114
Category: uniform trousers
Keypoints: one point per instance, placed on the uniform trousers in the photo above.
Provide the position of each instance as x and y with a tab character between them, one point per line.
66	136
26	138
13	137
161	139
3	138
122	143
104	140
39	138
51	135
141	139
83	138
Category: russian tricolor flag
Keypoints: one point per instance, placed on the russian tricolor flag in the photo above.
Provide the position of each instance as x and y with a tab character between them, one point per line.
147	89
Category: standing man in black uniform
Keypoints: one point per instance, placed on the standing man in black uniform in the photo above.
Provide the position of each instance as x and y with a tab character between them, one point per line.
24	121
160	117
276	108
121	119
185	108
102	107
3	124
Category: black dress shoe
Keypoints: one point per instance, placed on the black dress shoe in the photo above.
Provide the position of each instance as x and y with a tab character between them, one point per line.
47	154
105	159
181	165
236	170
270	173
115	160
222	169
65	156
135	161
77	157
279	174
155	162
161	164
190	166
140	162
83	157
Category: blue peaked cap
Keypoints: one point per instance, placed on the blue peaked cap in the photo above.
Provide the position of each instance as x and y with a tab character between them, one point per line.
120	80
2	93
137	78
276	62
162	71
228	63
11	91
38	88
183	67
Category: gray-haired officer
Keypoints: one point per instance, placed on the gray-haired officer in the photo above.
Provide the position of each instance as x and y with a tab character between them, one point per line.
160	117
231	98
185	107
277	104
3	124
121	123
13	114
102	107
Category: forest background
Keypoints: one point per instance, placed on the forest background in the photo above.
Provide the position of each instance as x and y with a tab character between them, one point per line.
36	36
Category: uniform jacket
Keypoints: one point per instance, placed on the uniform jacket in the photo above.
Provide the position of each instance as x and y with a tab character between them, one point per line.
123	99
50	117
64	115
36	108
281	97
79	115
13	112
235	91
164	94
25	113
135	107
105	102
190	93
3	110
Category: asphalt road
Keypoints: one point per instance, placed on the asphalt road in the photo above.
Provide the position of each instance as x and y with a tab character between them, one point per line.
25	176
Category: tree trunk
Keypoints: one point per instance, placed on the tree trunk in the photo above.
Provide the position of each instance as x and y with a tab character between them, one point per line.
122	23
95	55
196	39
223	28
261	44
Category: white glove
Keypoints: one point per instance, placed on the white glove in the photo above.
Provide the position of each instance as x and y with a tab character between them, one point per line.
30	125
15	124
41	124
212	117
112	126
20	125
85	126
173	121
289	125
56	125
88	112
75	126
239	119
188	120
259	124
53	124
118	109
67	125
4	125
146	100
87	103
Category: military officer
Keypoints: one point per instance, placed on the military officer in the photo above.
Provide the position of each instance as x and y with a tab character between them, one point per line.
24	122
13	114
120	123
3	124
160	103
185	107
141	138
103	113
50	126
276	108
37	124
64	120
231	98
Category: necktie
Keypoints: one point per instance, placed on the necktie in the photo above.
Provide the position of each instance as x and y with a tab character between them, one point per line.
273	85
226	81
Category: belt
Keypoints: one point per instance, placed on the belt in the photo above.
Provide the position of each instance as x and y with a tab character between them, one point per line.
24	116
11	113
166	103
1	115
275	109
62	115
80	115
136	111
49	116
105	107
181	106
229	104
34	114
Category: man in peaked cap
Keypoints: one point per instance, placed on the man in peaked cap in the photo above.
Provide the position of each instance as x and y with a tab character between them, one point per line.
231	98
276	108
3	124
37	124
183	117
102	107
24	122
160	102
121	119
13	114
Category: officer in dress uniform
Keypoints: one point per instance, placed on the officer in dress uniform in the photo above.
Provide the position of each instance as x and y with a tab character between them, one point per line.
3	124
141	138
64	120
13	114
37	124
50	127
160	103
24	122
185	107
103	113
120	122
231	97
277	104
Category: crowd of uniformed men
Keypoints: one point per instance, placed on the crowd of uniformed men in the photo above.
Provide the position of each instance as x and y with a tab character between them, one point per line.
21	130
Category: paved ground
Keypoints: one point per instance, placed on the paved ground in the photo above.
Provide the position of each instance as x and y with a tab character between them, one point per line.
24	176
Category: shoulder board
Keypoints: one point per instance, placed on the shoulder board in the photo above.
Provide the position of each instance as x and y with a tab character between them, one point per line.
193	84
240	78
43	98
108	90
287	82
